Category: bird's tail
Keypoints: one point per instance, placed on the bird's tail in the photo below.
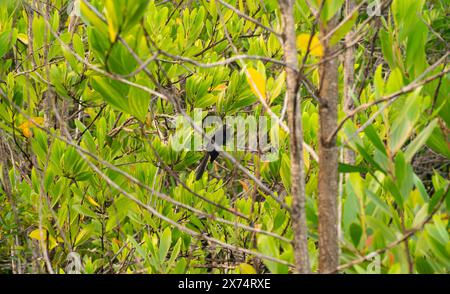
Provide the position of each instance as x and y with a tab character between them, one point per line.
201	167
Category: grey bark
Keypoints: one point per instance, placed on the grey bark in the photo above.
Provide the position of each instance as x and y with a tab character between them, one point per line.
349	78
295	126
328	158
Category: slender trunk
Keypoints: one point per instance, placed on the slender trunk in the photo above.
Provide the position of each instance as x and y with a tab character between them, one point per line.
328	154
349	79
48	94
296	139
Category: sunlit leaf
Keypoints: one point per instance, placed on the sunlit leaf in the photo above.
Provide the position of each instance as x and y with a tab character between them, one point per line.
92	201
257	82
246	269
40	235
29	124
315	48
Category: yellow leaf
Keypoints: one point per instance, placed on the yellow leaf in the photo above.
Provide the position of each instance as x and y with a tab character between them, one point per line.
92	201
112	18
315	49
245	268
257	82
37	120
27	132
27	125
52	243
37	234
244	185
220	87
80	236
23	38
112	31
306	159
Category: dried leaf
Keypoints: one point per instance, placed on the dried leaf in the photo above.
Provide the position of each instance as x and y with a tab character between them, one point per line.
244	185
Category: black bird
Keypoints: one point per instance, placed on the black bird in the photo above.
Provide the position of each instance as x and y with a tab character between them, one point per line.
220	138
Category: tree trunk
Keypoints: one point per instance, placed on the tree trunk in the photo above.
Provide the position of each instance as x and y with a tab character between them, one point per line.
328	155
349	79
296	139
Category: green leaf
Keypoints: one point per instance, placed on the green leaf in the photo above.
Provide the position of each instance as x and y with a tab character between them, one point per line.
113	18
368	157
355	233
395	81
330	8
390	185
420	140
83	210
404	175
348	168
139	101
267	245
378	201
135	11
373	137
387	47
405	122
6	41
344	29
175	253
91	18
439	143
164	244
285	171
110	92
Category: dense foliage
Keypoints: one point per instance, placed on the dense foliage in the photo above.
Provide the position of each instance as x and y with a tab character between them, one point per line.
90	182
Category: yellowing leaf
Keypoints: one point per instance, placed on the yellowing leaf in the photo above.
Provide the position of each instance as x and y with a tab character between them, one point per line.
112	32
92	18
27	132
26	126
52	243
112	18
37	234
81	237
306	159
245	268
116	241
23	38
29	123
37	120
244	185
218	88
315	49
257	82
92	201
